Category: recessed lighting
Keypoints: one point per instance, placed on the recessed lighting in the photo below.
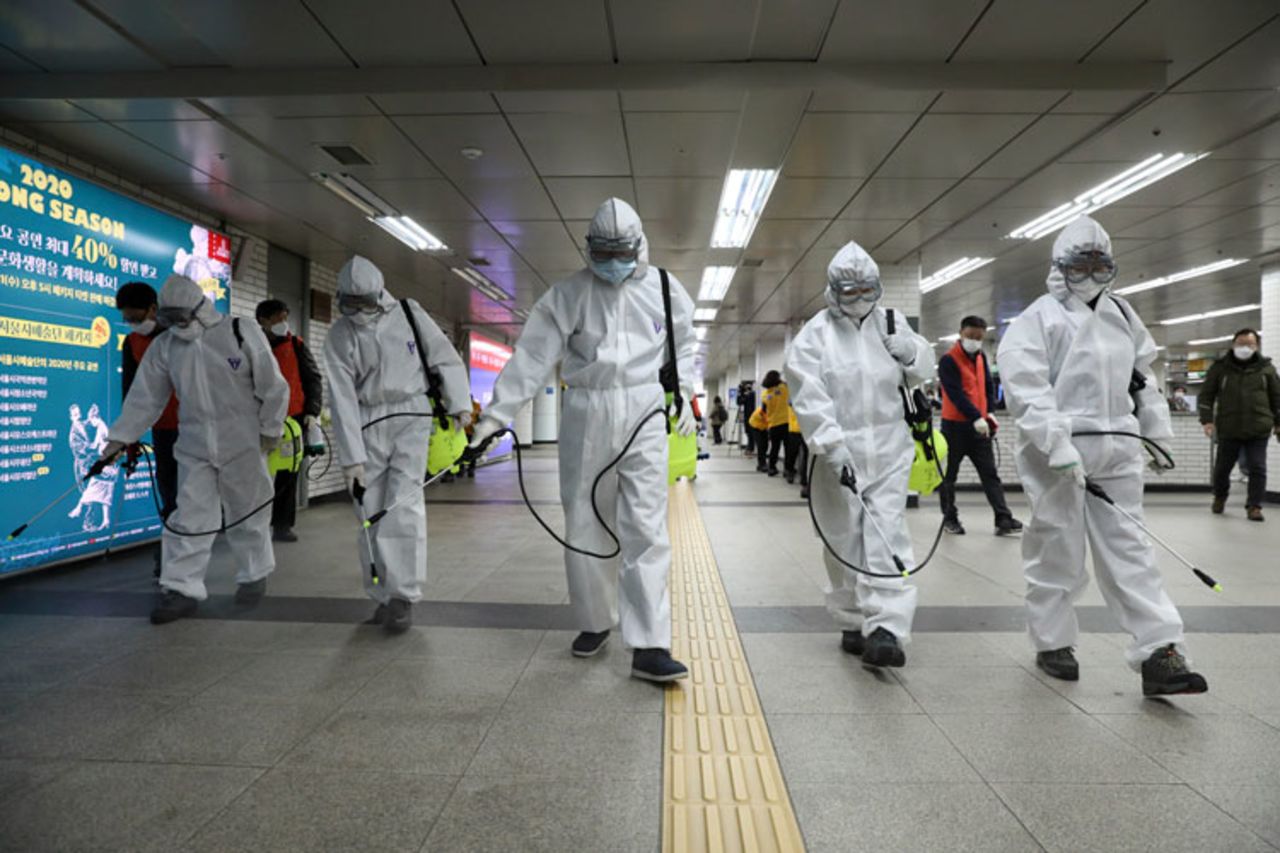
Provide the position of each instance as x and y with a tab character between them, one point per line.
1182	276
715	283
700	332
741	202
1221	312
471	153
413	235
951	272
704	315
1146	173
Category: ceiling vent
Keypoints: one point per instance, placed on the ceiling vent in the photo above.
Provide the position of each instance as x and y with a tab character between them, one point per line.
346	155
752	263
479	262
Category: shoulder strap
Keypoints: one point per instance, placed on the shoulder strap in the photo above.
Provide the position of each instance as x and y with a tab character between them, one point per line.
433	379
235	330
890	321
670	374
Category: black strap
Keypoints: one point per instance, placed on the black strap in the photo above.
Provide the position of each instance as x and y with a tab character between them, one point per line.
433	378
670	373
890	323
235	329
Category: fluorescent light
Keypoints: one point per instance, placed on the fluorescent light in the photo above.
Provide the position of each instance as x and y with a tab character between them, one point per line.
1182	276
700	332
350	190
1218	340
715	283
951	272
481	283
413	235
741	202
705	315
949	339
1150	170
1221	312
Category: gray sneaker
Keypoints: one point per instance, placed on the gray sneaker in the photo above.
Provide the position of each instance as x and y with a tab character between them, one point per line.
252	592
1165	673
399	616
1059	663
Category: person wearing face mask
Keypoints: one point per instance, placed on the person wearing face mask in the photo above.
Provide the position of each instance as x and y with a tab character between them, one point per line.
306	399
384	357
605	326
1239	406
968	426
844	369
1179	402
232	404
1079	360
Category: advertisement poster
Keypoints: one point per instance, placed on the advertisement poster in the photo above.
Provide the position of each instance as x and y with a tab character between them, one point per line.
487	358
66	246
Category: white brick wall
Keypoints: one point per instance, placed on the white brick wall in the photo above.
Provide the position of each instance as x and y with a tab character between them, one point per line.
324	280
1271	346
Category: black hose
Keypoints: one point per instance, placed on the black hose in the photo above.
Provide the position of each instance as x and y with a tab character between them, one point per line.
1162	457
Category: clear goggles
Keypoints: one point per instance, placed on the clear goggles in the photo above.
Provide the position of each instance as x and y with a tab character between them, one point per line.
1085	265
848	292
602	250
350	304
176	316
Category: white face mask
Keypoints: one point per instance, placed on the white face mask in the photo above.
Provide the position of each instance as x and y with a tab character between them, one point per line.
280	330
1243	353
970	345
189	332
146	327
1087	290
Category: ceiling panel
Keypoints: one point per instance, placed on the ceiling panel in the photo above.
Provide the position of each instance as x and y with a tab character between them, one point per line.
541	237
426	200
785	234
1175	221
675	31
129	156
509	198
684	144
966	197
857	99
401	32
906	241
1259	188
1043	29
579	198
293	106
58	35
809	198
443	137
573	144
1038	144
1254	63
435	103
677	234
678	199
683	101
214	150
950	146
376	137
139	109
997	101
1188	185
865	232
558	102
546	31
24	109
1108	102
896	198
844	144
791	29
867	29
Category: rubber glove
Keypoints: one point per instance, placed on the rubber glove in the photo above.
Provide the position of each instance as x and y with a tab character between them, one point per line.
110	451
686	424
993	423
354	475
900	348
838	458
982	428
268	443
462	419
1156	461
1066	460
484	430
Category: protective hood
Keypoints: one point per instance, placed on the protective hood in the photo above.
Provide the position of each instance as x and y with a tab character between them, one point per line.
1082	235
851	263
615	219
181	292
361	277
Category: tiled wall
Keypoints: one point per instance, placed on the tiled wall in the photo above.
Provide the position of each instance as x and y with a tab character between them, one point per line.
1271	346
324	280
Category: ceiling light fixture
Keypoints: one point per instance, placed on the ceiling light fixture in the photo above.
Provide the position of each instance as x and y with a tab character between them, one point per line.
413	235
1218	340
715	283
700	332
949	339
1207	315
951	272
1182	276
704	315
354	193
741	202
481	283
1146	173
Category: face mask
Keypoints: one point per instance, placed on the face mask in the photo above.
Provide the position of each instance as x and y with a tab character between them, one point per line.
187	333
146	327
364	318
280	330
970	345
615	271
1243	353
1087	290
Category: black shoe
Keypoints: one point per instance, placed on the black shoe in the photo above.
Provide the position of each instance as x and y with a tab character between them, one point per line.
804	493
790	477
252	592
379	615
851	642
953	526
1008	527
882	649
448	477
284	534
172	607
1059	663
1165	673
656	665
589	643
399	616
773	472
471	473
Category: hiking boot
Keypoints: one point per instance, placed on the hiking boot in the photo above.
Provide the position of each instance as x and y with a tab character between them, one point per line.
952	525
1254	513
284	534
172	607
1059	663
1165	673
882	649
252	592
851	642
1219	505
656	665
399	616
589	643
1008	526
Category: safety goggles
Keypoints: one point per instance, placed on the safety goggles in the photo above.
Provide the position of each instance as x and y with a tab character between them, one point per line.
176	315
602	249
350	304
865	290
1085	265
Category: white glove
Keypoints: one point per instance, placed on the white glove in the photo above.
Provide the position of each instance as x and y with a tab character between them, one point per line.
1066	460
686	424
484	431
1156	461
307	421
268	443
838	459
354	475
110	451
982	428
462	419
901	348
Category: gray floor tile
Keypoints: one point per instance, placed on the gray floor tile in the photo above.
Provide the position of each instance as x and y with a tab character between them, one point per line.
1118	690
438	743
829	690
891	816
1218	750
1047	748
471	644
19	629
980	690
560	745
107	806
1104	818
298	678
494	813
69	723
166	670
584	684
1255	806
294	808
106	635
238	635
850	749
39	668
1255	689
439	684
19	776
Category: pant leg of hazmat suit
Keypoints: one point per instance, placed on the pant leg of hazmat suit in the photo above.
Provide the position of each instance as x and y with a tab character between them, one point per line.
231	395
1066	368
375	371
610	340
844	388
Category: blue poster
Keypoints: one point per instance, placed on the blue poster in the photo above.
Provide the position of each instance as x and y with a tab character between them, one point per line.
66	246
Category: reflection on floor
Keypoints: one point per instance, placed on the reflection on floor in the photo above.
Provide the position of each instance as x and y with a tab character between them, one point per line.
292	727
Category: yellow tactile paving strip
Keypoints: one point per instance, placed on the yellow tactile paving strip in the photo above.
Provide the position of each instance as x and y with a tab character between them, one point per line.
722	788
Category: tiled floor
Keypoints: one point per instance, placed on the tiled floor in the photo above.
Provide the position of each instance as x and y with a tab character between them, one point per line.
293	728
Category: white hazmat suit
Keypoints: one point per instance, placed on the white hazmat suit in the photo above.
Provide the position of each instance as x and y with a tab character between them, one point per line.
844	389
374	371
1067	368
233	400
610	340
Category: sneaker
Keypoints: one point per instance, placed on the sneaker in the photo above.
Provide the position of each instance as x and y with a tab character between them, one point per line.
1008	527
1219	505
589	643
773	472
252	592
882	649
1165	673
656	665
851	642
399	616
172	607
284	534
953	526
1254	513
379	615
1059	663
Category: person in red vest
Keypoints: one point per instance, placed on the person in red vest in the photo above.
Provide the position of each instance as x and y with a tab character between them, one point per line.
969	426
306	398
138	304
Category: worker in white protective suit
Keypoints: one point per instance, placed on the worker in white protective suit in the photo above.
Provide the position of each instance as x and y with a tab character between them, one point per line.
605	325
1079	360
380	372
232	408
844	369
